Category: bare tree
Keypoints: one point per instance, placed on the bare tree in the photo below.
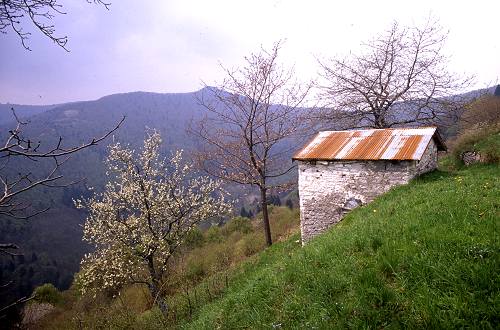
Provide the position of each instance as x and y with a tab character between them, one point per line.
39	13
250	117
400	77
13	186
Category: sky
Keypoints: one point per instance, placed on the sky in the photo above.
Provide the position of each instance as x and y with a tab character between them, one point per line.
178	45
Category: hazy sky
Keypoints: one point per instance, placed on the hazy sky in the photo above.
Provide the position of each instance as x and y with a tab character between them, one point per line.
174	45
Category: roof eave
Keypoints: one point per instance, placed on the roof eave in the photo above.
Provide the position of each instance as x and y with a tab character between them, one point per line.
439	141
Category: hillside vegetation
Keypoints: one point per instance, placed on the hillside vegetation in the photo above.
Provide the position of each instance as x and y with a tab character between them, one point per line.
424	255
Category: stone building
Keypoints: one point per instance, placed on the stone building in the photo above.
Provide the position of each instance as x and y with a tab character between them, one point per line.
340	170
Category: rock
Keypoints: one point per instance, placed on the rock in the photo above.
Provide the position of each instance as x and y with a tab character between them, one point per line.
471	157
351	204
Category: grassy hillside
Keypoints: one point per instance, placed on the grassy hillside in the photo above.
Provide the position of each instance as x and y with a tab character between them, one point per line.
423	255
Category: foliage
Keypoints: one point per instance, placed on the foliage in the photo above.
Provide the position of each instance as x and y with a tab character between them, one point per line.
62	224
241	224
213	234
147	209
479	132
485	141
194	238
427	258
200	274
150	319
481	113
47	293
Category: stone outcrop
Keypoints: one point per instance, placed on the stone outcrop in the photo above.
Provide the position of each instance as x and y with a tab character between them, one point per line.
471	157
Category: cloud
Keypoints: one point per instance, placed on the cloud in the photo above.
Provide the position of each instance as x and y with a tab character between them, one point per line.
172	45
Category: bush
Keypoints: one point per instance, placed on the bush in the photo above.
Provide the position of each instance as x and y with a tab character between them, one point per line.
240	224
47	293
250	245
213	234
194	238
485	140
483	112
218	257
151	319
195	269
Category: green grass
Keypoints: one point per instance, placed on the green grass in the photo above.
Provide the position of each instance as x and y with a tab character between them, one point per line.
485	141
199	274
424	255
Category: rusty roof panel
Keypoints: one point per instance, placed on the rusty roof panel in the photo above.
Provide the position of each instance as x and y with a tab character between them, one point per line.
372	144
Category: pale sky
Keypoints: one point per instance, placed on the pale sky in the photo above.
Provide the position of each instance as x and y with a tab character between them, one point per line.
174	45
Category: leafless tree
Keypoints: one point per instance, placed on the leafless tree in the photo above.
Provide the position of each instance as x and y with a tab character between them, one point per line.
400	77
13	13
250	117
12	187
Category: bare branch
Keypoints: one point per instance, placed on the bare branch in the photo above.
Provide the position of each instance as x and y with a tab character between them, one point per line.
251	119
37	12
17	145
399	78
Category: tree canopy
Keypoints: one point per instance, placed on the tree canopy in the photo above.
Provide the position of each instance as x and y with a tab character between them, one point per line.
147	209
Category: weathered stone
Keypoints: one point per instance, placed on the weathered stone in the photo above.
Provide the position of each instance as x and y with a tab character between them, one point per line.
328	190
471	157
351	204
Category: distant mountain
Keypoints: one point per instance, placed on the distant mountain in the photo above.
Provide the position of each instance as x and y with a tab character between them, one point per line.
22	112
52	242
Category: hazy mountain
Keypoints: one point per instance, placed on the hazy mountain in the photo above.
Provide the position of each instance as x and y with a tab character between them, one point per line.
22	112
52	242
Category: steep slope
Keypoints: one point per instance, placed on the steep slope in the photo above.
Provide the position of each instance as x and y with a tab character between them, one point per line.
22	111
423	255
51	241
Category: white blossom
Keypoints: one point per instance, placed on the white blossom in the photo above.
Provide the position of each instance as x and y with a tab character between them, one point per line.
143	215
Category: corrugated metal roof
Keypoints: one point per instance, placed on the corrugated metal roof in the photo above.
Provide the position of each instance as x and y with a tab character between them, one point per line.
370	144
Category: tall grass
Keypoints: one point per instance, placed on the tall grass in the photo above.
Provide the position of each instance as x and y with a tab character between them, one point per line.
425	255
198	276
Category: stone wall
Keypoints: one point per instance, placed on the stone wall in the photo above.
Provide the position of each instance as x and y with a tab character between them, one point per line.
428	161
328	190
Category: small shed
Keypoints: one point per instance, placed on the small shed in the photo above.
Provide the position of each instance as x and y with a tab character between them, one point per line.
340	170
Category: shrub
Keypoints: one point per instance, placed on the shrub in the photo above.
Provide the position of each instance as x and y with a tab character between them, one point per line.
250	245
218	257
194	238
485	140
240	224
213	234
483	112
150	319
47	293
195	269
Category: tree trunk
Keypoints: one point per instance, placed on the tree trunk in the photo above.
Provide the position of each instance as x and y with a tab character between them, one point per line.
154	287
379	119
157	298
265	216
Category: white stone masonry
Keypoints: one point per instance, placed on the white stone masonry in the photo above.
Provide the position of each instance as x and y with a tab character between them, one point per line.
328	190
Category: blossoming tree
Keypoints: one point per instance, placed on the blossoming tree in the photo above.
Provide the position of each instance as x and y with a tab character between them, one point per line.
143	216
